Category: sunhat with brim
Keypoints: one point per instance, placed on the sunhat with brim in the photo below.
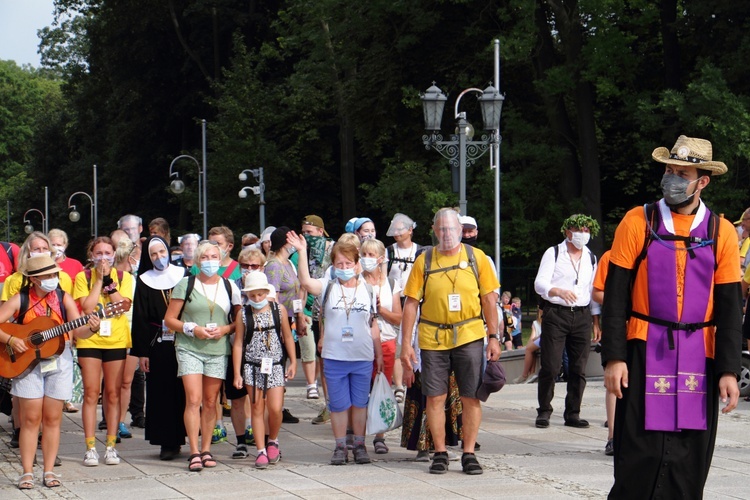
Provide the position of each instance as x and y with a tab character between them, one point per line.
40	265
256	281
690	152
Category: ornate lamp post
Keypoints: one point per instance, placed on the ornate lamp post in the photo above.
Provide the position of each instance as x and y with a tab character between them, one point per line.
28	228
461	150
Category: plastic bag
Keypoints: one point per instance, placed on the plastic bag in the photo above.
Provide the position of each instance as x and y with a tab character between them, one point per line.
383	412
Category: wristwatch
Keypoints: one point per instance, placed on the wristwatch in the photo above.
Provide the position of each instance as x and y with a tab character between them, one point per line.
495	336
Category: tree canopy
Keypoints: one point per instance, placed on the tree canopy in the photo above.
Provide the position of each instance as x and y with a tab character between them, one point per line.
324	95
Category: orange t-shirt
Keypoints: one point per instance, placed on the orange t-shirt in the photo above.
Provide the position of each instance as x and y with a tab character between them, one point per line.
628	244
601	271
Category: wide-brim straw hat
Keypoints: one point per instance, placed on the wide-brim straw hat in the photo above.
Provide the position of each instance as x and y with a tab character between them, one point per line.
256	281
690	152
40	265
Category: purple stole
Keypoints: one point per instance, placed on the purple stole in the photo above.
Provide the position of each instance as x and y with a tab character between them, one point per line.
676	378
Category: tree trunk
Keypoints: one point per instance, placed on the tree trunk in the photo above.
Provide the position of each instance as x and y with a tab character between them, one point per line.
670	43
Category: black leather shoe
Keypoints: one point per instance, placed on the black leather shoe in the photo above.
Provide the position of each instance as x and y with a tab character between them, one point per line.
578	422
288	418
542	422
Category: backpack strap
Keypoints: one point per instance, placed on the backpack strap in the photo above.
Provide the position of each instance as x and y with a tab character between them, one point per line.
230	269
428	264
23	308
188	292
228	287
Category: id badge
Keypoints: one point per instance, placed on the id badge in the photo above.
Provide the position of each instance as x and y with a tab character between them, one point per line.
297	305
210	326
105	328
167	335
266	366
49	365
454	302
347	334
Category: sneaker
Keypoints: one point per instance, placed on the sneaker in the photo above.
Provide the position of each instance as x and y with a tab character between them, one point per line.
323	417
240	452
91	458
274	455
249	437
360	455
288	418
111	457
139	421
123	431
532	379
219	435
519	379
312	393
340	456
453	456
422	456
261	461
103	425
609	449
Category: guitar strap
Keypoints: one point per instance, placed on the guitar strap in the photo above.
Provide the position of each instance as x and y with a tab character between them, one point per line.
24	306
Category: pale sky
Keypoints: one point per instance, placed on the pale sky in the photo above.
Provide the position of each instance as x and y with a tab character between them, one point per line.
19	22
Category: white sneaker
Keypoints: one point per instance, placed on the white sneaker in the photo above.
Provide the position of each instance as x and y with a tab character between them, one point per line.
91	458
111	457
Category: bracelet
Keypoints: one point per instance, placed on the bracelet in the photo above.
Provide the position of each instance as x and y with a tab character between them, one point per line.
9	343
93	331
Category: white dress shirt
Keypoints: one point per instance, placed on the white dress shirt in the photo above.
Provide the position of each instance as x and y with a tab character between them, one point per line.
562	274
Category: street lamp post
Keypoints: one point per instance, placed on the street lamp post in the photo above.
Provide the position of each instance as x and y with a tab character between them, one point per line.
258	190
28	228
75	216
461	150
177	186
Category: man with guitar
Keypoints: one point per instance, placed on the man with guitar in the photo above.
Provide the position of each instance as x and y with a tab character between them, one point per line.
37	355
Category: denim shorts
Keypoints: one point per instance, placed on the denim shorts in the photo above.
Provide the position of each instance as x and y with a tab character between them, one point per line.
56	383
348	383
209	365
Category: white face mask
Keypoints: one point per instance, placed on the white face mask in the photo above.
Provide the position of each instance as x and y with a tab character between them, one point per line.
37	254
60	251
580	239
369	264
49	284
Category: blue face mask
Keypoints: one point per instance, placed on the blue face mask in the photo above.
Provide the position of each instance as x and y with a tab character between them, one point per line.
345	274
258	305
210	267
160	263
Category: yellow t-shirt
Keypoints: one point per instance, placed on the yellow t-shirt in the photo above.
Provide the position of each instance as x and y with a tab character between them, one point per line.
120	329
440	285
14	281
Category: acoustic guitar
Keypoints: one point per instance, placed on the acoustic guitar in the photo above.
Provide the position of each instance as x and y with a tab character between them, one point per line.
44	339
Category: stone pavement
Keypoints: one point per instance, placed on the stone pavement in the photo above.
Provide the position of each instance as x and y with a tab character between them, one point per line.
520	461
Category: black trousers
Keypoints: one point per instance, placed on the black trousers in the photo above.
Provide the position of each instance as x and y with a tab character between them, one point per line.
137	394
654	464
563	328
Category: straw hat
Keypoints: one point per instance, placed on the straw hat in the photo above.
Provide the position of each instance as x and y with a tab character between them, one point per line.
40	265
691	152
256	281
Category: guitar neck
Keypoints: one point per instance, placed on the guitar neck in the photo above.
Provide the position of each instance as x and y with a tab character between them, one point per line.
70	325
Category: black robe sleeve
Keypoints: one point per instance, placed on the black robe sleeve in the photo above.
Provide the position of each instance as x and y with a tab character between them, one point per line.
728	318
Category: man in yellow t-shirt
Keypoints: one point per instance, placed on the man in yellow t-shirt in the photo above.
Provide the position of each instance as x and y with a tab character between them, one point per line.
456	293
679	352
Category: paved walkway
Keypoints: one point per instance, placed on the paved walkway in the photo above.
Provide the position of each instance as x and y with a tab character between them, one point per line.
520	461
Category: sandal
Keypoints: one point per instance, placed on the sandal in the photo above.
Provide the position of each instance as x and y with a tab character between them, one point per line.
69	407
312	393
51	480
194	463
470	464
399	394
439	463
208	460
379	445
26	481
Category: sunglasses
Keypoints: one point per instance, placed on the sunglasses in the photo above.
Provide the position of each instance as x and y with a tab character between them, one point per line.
250	266
209	242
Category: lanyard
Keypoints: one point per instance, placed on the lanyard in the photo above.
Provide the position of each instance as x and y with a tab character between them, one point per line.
166	295
211	304
572	264
455	275
348	307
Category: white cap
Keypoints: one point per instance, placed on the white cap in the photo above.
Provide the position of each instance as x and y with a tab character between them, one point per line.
465	220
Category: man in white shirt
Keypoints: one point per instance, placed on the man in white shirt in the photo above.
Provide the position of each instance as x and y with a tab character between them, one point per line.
565	280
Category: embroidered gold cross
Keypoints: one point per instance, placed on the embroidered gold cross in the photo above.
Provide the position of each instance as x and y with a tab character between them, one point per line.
662	385
691	383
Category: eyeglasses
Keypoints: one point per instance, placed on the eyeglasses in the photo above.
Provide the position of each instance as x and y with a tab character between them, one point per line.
250	266
209	242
